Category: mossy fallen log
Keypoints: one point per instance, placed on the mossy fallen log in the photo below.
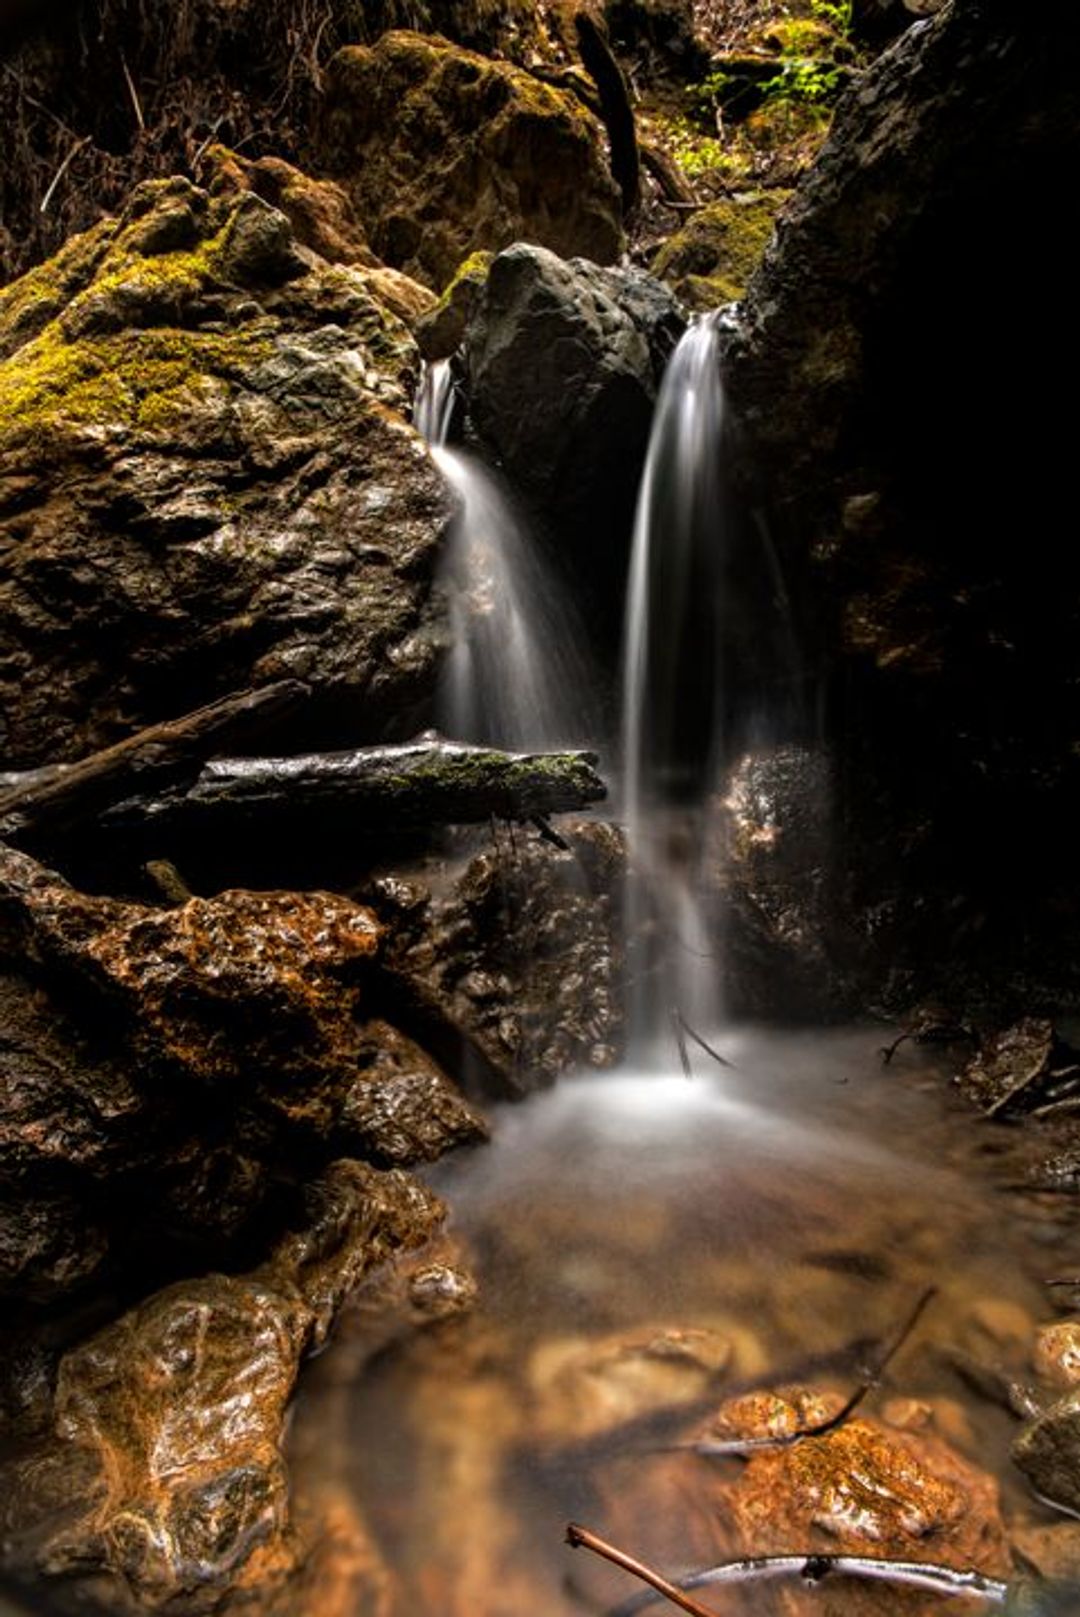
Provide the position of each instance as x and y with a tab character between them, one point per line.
380	790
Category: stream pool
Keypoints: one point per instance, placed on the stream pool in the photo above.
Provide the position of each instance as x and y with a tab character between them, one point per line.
649	1246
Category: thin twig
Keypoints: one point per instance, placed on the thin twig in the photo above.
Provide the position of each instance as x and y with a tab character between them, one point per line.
698	1040
887	1051
580	1538
61	171
134	94
809	1567
680	1040
747	1445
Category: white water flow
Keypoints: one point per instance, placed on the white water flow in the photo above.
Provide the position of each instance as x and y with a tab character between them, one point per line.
516	675
671	701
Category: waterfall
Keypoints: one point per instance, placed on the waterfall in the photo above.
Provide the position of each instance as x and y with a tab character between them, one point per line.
671	697
517	674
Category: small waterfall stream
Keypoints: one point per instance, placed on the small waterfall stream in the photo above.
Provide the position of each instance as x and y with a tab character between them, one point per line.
671	696
517	675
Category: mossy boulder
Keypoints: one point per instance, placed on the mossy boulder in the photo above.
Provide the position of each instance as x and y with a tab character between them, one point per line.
206	480
711	259
441	331
444	153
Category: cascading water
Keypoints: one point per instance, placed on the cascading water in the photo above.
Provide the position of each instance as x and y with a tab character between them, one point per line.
517	673
671	695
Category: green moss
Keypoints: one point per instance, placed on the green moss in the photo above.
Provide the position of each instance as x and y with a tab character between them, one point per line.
472	271
141	379
712	258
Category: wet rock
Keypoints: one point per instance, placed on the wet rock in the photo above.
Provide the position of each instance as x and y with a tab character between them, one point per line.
204	483
1023	1067
1056	1354
864	1488
202	1052
444	153
517	969
594	344
710	260
789	948
164	1480
1048	1452
582	1390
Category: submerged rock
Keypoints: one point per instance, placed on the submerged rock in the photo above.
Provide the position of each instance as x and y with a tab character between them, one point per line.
594	344
445	152
163	1482
204	483
1048	1453
865	1489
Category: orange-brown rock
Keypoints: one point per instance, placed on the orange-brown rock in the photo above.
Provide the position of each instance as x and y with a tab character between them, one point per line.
863	1488
444	152
164	1479
323	219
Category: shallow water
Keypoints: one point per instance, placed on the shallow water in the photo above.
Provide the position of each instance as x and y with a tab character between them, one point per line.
789	1206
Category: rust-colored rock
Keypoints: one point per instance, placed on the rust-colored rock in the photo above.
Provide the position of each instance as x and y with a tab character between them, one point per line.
444	152
1056	1354
863	1488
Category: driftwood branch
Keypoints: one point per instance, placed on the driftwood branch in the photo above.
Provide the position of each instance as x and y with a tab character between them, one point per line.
738	1446
675	188
372	789
943	1580
49	802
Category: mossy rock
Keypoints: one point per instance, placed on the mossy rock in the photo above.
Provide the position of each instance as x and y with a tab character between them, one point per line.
206	479
711	259
441	331
445	153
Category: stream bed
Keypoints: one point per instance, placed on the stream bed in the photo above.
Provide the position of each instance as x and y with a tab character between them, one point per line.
649	1247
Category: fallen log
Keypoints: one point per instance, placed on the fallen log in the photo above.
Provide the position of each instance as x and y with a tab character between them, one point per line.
370	789
45	803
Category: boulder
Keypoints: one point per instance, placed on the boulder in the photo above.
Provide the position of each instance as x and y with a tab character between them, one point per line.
593	344
442	331
163	1480
205	481
1047	1451
710	260
444	153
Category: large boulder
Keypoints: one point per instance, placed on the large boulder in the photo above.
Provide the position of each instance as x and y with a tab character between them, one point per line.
593	344
445	152
205	481
161	1480
906	442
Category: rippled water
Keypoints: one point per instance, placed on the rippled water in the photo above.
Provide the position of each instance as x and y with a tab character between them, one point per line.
790	1206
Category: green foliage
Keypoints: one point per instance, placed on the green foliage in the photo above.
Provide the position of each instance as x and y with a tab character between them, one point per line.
811	80
835	13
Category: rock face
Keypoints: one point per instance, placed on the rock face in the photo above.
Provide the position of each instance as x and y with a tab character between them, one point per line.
444	152
950	647
593	343
204	482
163	1480
209	1050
